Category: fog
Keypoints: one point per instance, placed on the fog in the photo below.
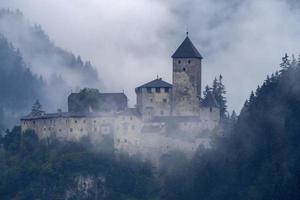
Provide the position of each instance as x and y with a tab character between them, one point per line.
131	41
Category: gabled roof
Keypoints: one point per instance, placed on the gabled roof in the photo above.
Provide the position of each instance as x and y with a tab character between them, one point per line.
210	101
157	83
187	50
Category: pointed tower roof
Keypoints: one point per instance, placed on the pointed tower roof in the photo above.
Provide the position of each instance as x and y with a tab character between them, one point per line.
187	50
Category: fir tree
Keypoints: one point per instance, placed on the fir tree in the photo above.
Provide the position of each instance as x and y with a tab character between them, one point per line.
285	63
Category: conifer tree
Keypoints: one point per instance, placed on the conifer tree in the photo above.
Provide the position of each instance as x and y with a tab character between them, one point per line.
285	63
219	92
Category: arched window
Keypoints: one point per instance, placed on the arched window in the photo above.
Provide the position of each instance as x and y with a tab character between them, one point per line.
179	61
184	69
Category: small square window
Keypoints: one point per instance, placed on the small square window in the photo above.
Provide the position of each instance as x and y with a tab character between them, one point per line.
166	90
149	90
157	90
165	100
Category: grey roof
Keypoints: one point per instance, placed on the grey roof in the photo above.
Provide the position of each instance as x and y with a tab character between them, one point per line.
209	101
64	115
176	119
157	83
187	50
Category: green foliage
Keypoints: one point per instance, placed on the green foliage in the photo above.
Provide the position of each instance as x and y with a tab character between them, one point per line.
259	157
219	92
50	169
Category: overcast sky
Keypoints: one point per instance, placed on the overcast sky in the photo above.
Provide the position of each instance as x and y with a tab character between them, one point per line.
131	41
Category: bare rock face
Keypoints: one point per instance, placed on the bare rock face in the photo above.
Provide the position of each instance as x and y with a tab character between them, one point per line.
87	187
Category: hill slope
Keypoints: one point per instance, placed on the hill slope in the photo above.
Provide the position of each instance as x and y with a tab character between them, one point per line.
18	86
260	158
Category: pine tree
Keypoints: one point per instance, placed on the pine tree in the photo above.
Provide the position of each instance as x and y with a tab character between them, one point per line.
285	63
206	91
218	90
36	108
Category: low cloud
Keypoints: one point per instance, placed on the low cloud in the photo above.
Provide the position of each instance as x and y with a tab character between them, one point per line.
131	41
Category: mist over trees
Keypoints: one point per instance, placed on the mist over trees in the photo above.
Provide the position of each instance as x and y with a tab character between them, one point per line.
257	158
18	86
32	67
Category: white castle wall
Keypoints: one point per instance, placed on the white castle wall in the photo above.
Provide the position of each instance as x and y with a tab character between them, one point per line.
128	132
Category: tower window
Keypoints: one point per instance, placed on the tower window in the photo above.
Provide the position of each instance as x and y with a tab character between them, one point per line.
189	61
179	61
157	90
210	109
184	69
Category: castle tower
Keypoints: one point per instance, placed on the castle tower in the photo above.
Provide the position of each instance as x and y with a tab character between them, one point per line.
186	80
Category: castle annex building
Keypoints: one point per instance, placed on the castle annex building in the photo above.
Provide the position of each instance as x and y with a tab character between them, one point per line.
163	111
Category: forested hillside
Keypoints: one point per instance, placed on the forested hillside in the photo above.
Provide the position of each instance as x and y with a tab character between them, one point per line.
259	158
33	67
256	157
18	86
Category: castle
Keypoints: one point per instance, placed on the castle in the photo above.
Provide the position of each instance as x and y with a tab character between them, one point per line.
166	116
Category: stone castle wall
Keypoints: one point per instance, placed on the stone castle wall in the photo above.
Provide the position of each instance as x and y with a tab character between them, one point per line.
186	86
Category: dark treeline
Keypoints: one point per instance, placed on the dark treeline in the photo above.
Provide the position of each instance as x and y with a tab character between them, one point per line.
18	86
51	169
257	157
33	67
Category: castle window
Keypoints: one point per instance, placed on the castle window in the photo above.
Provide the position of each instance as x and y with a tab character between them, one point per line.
149	90
59	130
179	61
157	90
71	130
83	121
210	109
81	129
95	121
165	100
166	90
151	100
75	121
184	69
189	61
